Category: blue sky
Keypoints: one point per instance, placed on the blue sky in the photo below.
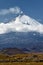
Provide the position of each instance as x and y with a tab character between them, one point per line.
32	8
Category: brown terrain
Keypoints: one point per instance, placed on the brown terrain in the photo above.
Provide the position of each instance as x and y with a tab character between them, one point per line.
15	56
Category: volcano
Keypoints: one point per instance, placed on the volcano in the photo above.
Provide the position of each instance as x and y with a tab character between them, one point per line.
22	32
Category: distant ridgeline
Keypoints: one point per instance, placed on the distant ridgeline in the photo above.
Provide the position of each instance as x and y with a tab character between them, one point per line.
32	41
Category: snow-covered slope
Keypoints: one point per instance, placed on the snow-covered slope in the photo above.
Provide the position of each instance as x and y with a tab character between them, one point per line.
22	23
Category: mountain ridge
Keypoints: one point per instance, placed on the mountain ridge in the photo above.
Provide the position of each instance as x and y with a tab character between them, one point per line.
22	40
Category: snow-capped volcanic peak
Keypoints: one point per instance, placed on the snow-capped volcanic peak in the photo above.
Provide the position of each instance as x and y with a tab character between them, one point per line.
22	23
28	20
25	23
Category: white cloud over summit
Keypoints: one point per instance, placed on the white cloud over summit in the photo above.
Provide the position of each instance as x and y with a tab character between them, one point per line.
15	10
22	23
